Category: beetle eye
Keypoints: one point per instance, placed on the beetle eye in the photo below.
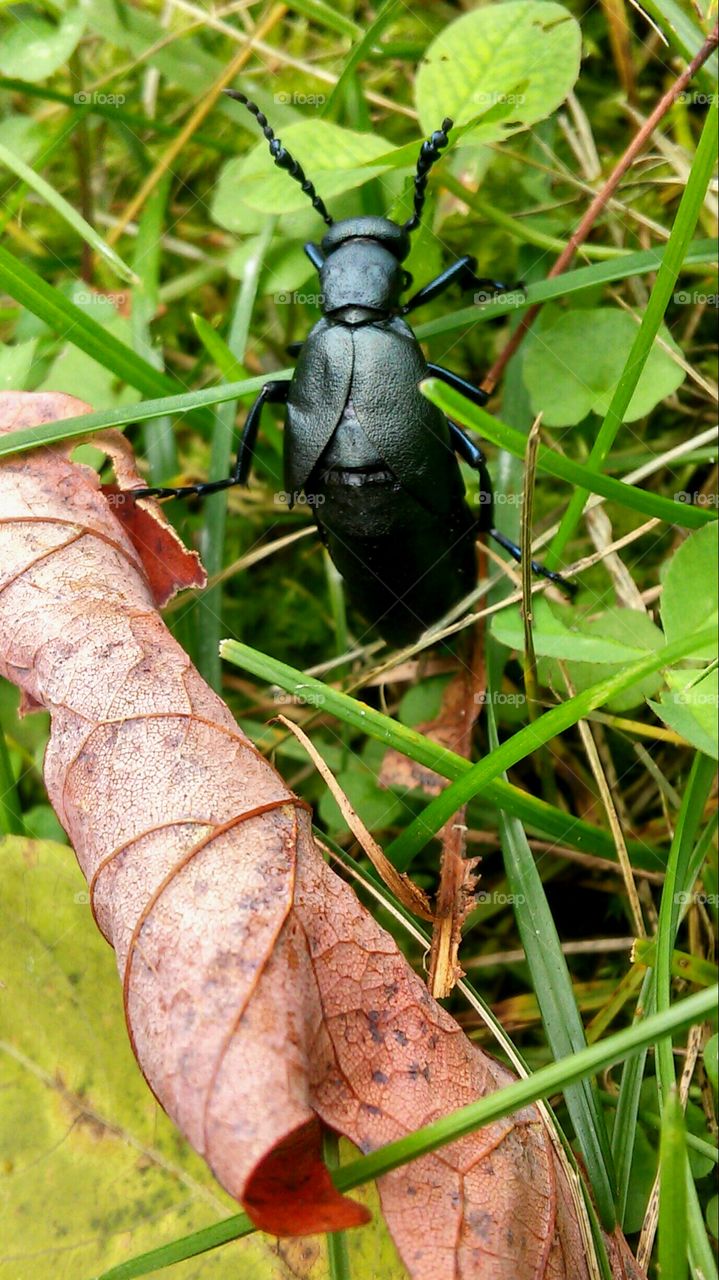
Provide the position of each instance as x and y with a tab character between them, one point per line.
407	279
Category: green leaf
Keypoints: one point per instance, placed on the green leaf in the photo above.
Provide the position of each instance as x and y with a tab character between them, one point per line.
96	1169
72	369
15	365
591	649
572	367
612	637
525	53
378	809
338	159
689	706
690	598
35	48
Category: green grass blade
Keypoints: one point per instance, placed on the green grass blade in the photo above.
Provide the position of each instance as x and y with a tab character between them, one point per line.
660	297
337	1252
228	357
566	285
672	1252
554	464
68	321
681	873
534	812
673	895
320	12
552	984
675	887
528	739
685	36
385	13
66	212
114	114
625	1121
11	823
545	1082
89	423
158	442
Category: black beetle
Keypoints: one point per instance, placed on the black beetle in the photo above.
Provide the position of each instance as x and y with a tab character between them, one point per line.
376	461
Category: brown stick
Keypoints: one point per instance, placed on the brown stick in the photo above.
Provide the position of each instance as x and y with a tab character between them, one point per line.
599	202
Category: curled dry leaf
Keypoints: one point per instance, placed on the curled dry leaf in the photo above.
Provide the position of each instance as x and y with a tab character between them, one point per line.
261	998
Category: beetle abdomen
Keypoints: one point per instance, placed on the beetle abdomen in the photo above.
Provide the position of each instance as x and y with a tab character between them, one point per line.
404	566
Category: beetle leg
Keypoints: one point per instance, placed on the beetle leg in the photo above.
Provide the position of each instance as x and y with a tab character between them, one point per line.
315	255
294	348
271	393
537	566
463	273
475	394
470	452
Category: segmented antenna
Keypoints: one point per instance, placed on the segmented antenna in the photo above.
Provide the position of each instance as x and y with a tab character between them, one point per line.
428	155
281	155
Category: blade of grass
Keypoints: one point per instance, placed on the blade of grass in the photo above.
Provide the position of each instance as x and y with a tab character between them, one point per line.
684	873
66	212
552	982
571	282
323	13
159	443
229	357
70	323
89	423
11	823
545	1082
532	811
673	896
337	1252
385	13
676	248
114	113
555	464
684	35
527	740
672	1254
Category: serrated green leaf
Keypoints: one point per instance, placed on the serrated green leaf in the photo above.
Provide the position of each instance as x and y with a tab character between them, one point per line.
573	365
525	53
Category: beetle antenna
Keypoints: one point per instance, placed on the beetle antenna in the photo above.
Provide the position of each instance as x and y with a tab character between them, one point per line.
281	155
428	155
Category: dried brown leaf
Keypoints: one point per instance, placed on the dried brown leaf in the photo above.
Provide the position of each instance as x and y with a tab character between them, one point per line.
262	1000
